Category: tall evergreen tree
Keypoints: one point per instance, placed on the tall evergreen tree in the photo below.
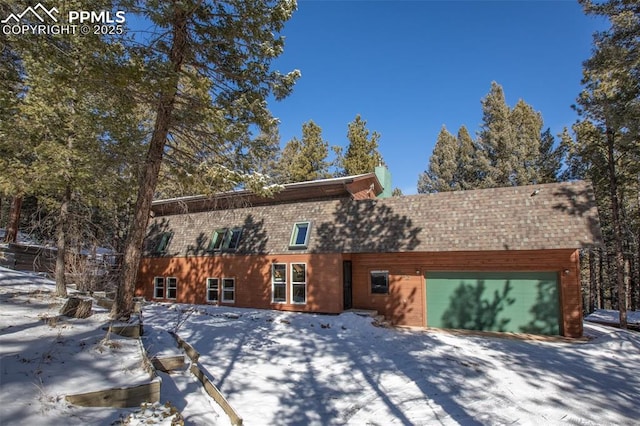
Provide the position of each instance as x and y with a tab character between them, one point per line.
610	106
11	141
578	160
467	169
362	154
496	139
307	159
527	128
222	52
550	157
510	150
440	176
71	91
453	166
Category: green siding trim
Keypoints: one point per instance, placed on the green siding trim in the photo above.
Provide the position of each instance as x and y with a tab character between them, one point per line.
518	302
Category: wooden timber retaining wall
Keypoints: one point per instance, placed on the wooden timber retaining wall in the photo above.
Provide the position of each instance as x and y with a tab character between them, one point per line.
119	397
127	396
209	387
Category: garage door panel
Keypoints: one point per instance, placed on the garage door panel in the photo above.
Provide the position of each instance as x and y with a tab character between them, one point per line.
521	302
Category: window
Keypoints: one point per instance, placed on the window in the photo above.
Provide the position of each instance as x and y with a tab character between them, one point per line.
225	239
158	288
380	282
228	290
216	239
300	235
172	288
279	283
163	242
232	239
298	283
212	290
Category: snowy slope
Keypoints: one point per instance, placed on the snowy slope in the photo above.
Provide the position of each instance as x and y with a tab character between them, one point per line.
44	357
302	369
288	368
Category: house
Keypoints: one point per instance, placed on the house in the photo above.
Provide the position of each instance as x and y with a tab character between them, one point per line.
502	259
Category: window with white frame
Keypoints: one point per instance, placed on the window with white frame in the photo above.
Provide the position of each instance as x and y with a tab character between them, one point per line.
225	239
228	290
172	288
300	235
379	282
158	288
279	283
212	290
298	283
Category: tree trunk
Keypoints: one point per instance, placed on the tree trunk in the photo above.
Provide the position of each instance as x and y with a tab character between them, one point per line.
636	274
61	283
593	292
617	228
123	306
627	282
13	224
601	281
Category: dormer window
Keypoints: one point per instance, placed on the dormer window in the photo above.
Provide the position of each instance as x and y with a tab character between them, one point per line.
225	239
232	239
163	242
216	239
300	235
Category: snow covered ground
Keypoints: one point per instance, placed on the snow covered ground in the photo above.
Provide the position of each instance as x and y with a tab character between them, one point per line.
607	316
44	356
302	369
298	369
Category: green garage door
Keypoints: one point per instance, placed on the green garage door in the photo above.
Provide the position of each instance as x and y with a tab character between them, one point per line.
519	302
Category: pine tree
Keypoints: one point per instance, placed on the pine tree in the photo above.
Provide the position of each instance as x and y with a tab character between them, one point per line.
362	154
222	53
307	159
584	161
441	173
527	127
610	107
510	150
467	169
11	143
578	161
509	142
70	110
496	140
550	157
290	154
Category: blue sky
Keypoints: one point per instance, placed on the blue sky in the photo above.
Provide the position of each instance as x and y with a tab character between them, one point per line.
409	67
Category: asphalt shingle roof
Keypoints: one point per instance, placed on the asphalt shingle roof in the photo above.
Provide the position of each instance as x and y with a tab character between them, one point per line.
549	216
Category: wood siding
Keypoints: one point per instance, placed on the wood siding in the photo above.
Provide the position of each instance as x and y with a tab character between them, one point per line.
362	189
